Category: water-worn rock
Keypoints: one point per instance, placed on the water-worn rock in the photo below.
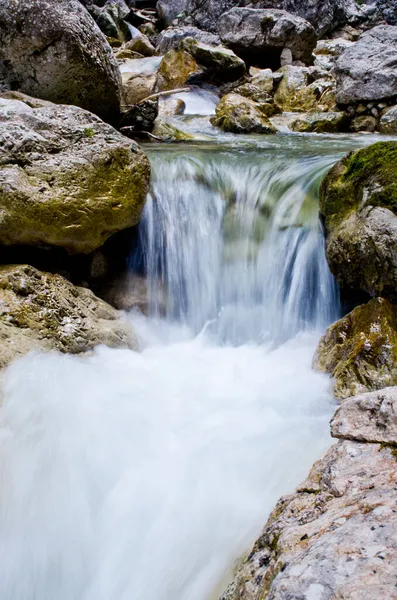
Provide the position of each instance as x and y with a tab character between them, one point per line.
52	49
170	132
360	350
176	67
358	203
370	417
335	538
139	78
388	121
328	51
237	114
368	70
40	311
305	89
170	105
364	123
221	64
259	36
171	38
139	42
320	122
67	179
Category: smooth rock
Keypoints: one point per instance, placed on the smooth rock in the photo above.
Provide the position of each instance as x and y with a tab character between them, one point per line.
139	78
139	43
171	38
237	114
358	203
52	49
259	36
67	179
370	417
320	122
221	64
360	350
368	70
40	311
169	106
176	67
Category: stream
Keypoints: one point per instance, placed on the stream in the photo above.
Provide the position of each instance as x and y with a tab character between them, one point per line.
146	476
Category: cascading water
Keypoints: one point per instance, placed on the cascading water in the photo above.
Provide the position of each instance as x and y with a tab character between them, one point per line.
142	476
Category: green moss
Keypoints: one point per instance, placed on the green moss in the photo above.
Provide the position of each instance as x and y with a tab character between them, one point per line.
89	132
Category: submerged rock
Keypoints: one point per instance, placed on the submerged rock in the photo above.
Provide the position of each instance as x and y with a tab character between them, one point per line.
368	70
358	203
259	36
66	178
360	350
55	51
333	538
237	114
40	311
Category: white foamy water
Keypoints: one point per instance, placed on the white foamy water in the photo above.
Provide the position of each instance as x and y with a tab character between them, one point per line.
145	476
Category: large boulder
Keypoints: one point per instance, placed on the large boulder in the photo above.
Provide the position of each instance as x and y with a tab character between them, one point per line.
172	38
259	36
237	114
305	89
360	350
176	69
368	70
52	49
358	204
67	179
334	538
220	63
40	311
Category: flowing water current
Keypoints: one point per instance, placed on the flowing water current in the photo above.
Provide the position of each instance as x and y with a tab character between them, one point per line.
145	476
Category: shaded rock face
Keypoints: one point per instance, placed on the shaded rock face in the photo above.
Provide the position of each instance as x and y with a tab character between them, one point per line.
368	70
358	203
237	114
52	49
66	178
335	538
39	311
259	36
360	350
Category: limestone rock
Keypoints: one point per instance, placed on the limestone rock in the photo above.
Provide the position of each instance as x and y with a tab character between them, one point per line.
368	70
335	538
139	43
320	122
67	179
370	417
388	121
220	63
52	49
237	114
139	78
176	67
259	36
328	51
172	38
40	311
358	202
360	350
169	106
304	89
169	132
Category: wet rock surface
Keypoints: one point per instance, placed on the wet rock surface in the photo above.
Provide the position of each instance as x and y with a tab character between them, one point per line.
238	114
41	311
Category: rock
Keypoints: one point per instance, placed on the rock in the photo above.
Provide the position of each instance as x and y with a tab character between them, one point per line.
358	203
249	90
388	121
169	132
170	105
66	178
111	17
259	36
318	122
370	417
139	43
221	64
40	311
171	38
140	118
360	350
237	114
176	68
139	78
368	70
335	538
328	51
264	79
364	123
52	49
303	89
131	292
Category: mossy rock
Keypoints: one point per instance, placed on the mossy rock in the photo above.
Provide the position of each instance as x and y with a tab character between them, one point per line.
175	70
320	122
358	203
71	182
170	133
41	311
223	64
360	350
237	114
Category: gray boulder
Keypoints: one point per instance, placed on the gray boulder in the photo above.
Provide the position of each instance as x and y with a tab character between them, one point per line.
172	38
259	35
67	179
52	49
368	70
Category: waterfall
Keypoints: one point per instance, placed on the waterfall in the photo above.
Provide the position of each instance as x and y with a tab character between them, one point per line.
142	476
235	240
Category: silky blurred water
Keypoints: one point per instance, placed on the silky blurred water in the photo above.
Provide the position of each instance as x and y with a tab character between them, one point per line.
142	476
